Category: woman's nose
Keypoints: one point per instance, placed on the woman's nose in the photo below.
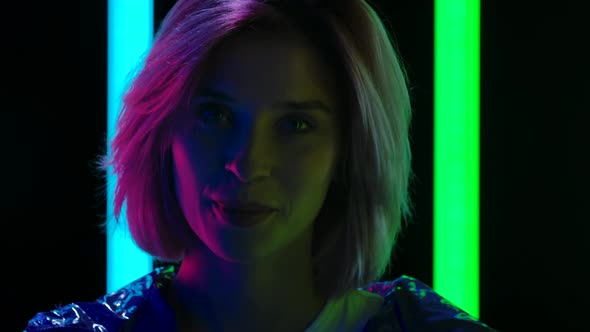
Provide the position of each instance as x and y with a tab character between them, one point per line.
249	158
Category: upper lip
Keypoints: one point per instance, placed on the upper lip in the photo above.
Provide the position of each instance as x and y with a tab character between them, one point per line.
244	206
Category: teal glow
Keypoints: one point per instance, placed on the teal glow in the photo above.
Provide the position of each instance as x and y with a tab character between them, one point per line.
456	152
130	31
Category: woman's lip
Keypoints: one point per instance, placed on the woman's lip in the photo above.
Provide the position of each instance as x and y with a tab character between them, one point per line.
247	208
242	217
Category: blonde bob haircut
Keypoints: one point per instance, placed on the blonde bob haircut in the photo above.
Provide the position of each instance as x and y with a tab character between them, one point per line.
368	202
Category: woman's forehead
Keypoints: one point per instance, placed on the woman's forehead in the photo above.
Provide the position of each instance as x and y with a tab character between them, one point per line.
252	62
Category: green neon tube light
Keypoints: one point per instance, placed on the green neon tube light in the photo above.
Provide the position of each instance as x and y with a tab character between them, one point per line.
456	152
130	31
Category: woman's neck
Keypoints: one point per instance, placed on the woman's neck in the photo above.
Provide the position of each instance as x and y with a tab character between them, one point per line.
277	294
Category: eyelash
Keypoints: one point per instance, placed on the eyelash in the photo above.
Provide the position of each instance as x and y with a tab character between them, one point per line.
204	109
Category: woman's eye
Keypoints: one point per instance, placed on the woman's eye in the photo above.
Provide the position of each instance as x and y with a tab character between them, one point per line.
300	125
214	114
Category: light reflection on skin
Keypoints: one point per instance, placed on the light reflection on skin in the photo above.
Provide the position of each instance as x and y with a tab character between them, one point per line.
252	144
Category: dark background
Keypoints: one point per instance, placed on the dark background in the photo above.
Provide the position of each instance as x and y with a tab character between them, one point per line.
534	156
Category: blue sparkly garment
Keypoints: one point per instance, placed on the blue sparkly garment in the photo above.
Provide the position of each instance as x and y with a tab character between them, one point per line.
402	305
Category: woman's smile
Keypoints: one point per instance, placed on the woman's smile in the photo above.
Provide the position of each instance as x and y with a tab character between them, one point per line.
242	217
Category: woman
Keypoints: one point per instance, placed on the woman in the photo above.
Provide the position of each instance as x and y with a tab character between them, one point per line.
263	156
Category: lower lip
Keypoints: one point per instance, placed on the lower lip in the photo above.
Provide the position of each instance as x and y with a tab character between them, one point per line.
242	219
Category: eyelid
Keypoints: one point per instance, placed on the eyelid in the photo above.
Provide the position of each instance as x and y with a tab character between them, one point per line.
298	115
221	106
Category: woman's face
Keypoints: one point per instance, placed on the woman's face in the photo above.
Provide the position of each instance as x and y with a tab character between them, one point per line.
263	126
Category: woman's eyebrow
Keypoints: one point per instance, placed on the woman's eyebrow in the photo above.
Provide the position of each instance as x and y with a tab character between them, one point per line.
303	105
208	92
290	105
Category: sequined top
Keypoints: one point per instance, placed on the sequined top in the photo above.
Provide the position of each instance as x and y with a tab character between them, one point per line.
402	305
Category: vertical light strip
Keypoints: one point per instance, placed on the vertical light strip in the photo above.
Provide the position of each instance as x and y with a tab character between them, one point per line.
456	152
130	30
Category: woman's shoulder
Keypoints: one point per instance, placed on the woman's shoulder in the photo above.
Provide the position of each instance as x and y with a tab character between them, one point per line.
411	305
107	313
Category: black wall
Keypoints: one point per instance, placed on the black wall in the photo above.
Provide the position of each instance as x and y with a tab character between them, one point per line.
534	156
